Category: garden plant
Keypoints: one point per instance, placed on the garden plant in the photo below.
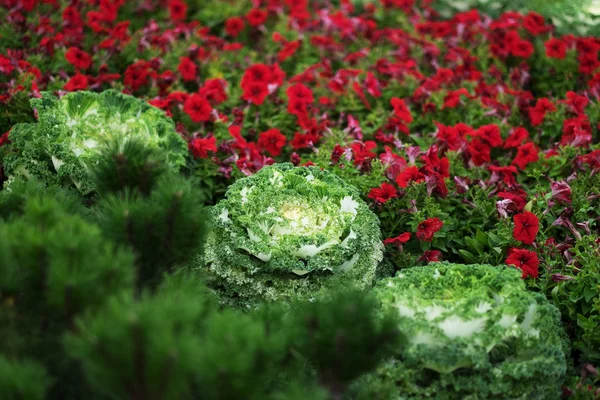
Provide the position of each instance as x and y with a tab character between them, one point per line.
299	199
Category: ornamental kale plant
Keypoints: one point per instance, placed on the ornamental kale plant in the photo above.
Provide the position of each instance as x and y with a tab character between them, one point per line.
287	232
65	142
474	331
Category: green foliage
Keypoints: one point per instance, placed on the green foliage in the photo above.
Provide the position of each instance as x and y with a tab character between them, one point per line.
128	165
286	232
60	258
577	295
165	228
54	266
175	345
474	332
143	349
13	201
361	341
23	380
71	131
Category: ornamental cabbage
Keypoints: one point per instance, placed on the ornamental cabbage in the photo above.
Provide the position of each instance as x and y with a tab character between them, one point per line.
474	332
71	131
290	232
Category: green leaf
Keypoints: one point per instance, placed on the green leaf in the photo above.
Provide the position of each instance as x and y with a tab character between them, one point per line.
468	256
300	272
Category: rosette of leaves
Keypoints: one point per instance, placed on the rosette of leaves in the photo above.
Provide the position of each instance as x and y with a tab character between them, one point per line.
70	132
474	332
290	232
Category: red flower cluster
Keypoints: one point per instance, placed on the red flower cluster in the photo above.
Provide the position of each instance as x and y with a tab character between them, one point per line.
526	227
525	260
427	229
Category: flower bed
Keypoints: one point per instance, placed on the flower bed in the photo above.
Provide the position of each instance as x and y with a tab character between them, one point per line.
470	139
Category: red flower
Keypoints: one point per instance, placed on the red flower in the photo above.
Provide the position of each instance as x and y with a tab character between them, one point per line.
78	58
402	238
526	227
521	48
518	136
556	48
401	110
303	141
453	97
300	93
576	102
431	256
256	17
534	23
480	152
410	174
427	228
588	63
538	112
384	193
518	200
4	139
272	141
257	73
561	191
288	50
187	69
362	151
77	82
198	108
177	10
201	146
525	260
255	92
525	155
233	26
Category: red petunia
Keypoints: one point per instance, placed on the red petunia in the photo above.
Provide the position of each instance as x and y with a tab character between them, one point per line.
78	58
255	92
427	228
534	23
303	140
538	112
526	227
272	141
522	48
384	193
556	48
256	17
518	136
233	26
401	110
201	146
257	73
410	174
177	10
431	256
479	151
300	93
77	82
525	260
4	139
526	154
561	192
198	108
489	134
187	69
400	239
